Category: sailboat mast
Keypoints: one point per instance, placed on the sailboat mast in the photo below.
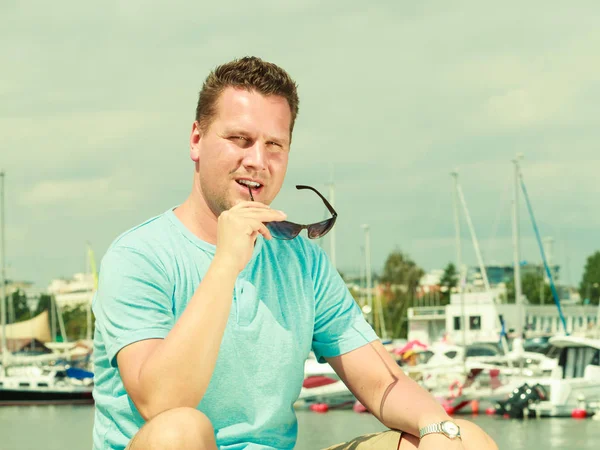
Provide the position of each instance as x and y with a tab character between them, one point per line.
482	269
517	249
3	275
486	282
459	267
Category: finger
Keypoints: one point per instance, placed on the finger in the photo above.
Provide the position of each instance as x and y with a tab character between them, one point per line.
246	204
270	215
260	227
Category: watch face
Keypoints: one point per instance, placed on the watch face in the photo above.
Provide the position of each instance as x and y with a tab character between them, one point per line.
451	428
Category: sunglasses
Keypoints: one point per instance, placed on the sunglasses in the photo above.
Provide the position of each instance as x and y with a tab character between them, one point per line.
285	230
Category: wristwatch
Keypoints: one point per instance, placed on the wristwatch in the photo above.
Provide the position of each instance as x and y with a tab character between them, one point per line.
447	428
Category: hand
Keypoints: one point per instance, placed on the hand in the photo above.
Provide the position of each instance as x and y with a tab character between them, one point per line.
238	229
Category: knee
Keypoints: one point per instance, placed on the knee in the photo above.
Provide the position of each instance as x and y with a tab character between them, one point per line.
181	428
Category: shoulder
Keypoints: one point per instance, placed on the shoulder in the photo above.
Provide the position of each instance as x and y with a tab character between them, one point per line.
139	243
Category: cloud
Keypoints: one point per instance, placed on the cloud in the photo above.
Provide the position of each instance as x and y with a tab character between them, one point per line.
97	103
78	193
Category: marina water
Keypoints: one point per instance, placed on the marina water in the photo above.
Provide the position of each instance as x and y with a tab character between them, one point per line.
70	428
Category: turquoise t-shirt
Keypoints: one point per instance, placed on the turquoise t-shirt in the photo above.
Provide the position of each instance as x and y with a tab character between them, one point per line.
288	300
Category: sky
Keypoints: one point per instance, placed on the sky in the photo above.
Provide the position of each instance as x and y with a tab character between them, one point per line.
97	100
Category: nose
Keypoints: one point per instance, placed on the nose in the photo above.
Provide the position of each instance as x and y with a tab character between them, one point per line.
255	157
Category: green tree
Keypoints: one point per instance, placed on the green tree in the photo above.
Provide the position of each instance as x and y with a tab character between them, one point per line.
43	304
589	288
401	277
532	285
449	280
18	301
75	318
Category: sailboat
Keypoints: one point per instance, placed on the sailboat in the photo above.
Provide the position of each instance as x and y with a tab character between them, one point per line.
34	379
573	388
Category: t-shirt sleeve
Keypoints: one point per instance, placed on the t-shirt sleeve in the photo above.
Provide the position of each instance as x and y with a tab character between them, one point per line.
339	323
133	301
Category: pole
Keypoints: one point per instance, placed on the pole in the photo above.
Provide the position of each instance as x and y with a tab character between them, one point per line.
332	232
459	256
597	332
517	257
517	250
368	271
548	241
53	317
61	322
3	276
486	283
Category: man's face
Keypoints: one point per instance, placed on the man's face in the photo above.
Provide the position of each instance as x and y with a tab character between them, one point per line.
247	141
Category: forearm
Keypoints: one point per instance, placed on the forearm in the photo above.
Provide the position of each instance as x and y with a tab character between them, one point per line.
178	370
399	402
409	407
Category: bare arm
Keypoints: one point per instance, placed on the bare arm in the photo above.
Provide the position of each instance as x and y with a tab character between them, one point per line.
395	399
161	374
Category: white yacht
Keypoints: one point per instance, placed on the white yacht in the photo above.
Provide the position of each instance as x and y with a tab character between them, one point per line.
574	384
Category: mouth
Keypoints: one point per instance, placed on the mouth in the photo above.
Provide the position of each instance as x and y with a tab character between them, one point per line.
247	184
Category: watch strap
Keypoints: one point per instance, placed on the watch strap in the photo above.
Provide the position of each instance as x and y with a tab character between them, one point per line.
437	428
431	428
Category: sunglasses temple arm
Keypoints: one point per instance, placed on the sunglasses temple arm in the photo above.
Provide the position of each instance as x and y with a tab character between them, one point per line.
327	204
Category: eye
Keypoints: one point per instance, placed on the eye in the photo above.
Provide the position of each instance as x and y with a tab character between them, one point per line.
271	143
241	141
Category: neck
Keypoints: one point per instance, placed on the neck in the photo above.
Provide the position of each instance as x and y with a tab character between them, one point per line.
197	217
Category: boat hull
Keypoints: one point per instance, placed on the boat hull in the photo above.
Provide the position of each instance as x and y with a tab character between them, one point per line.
12	397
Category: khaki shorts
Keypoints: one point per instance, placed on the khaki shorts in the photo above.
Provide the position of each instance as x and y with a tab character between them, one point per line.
388	440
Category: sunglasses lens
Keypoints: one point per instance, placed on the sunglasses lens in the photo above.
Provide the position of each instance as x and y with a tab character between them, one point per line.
320	229
283	230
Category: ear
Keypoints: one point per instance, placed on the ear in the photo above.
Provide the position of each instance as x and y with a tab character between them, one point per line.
195	138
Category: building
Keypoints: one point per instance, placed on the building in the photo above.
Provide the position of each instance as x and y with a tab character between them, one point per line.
77	291
485	320
498	275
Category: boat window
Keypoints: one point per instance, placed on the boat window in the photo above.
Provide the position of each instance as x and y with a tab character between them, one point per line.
481	351
569	371
475	322
596	358
580	364
577	359
457	322
451	354
590	357
23	384
424	357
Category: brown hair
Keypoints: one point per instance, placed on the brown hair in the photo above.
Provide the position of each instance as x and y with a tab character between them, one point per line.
250	73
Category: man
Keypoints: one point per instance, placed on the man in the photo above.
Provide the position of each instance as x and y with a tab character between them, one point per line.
204	320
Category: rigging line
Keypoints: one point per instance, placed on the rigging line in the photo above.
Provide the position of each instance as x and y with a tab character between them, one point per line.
539	240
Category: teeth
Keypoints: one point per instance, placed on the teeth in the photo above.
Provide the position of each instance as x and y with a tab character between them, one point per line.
249	183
